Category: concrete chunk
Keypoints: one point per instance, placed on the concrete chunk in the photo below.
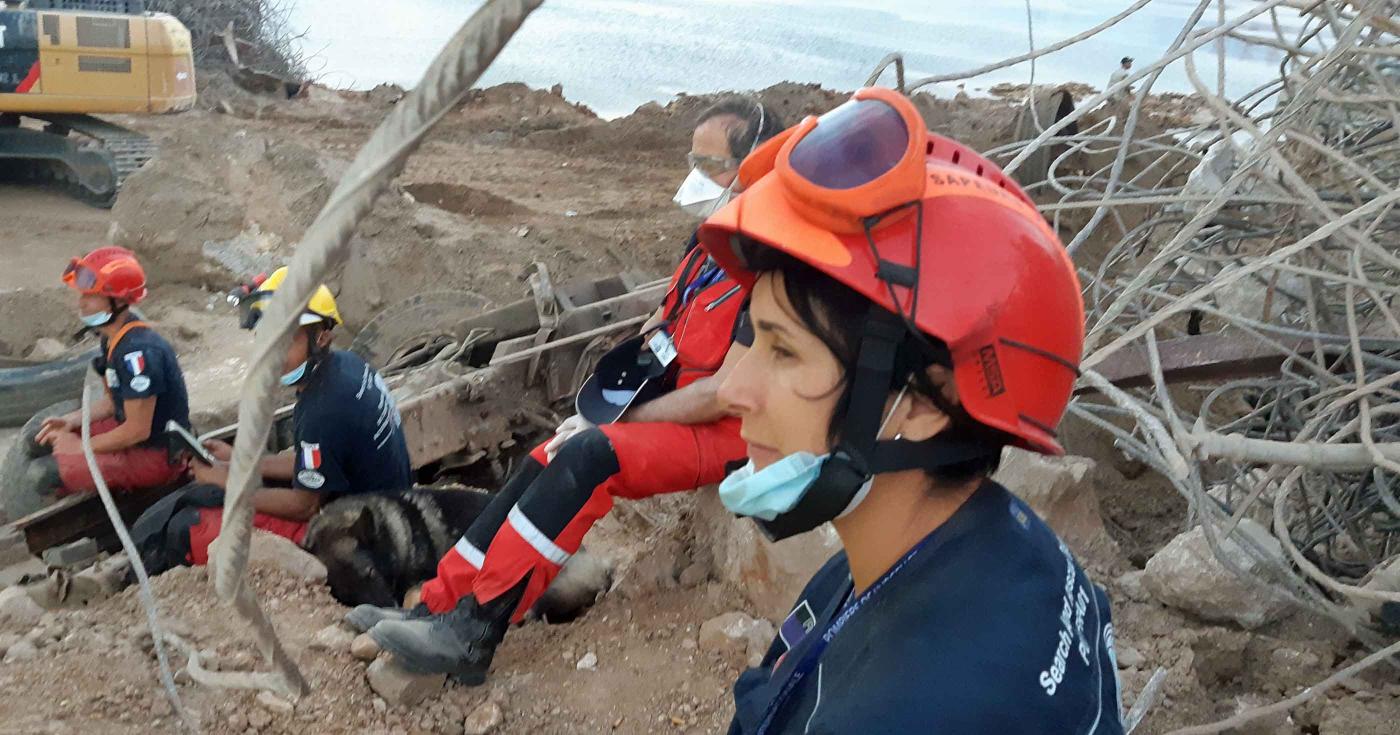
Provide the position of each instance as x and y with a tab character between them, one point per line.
22	651
275	704
736	633
72	554
334	638
483	720
1186	575
271	550
771	575
18	611
1058	490
399	687
364	648
12	547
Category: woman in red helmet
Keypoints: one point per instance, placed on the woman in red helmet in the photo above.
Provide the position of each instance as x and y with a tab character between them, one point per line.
145	388
913	316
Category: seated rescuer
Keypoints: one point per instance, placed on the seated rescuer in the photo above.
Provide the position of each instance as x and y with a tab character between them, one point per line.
913	314
145	388
347	439
677	441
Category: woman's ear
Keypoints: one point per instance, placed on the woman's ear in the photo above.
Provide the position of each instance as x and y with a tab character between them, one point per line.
924	420
324	338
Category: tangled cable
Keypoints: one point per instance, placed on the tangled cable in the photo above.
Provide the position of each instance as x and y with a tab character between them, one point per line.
1271	219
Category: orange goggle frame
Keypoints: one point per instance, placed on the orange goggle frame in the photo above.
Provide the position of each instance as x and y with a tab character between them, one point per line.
861	159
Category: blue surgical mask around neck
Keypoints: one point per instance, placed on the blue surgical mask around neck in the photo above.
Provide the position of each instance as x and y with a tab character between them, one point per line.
96	320
775	489
295	375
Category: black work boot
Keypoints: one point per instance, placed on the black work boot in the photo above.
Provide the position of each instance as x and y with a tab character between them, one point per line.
460	642
364	617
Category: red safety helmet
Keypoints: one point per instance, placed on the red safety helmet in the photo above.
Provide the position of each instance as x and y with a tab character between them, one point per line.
930	230
109	271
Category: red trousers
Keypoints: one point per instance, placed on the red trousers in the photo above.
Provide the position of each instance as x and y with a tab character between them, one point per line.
134	468
206	530
538	520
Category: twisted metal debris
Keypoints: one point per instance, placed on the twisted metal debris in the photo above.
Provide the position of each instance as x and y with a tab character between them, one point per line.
1271	219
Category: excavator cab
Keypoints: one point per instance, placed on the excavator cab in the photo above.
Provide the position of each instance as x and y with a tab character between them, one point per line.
61	61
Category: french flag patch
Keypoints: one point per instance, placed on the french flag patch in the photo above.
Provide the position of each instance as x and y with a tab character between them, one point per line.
310	456
136	362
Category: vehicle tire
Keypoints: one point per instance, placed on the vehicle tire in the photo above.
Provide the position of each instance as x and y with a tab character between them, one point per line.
24	391
16	500
414	323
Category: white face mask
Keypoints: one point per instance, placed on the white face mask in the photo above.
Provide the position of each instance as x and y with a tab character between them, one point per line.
700	196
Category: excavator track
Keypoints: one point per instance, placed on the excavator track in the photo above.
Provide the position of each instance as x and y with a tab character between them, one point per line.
89	157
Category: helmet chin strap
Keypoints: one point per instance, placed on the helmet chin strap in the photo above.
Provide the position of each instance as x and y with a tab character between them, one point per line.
115	308
860	455
315	354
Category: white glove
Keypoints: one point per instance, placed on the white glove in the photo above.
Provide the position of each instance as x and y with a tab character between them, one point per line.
573	425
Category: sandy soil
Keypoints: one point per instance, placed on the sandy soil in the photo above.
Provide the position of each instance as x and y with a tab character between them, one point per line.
41	229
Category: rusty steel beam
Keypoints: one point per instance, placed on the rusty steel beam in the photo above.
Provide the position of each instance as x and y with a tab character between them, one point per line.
468	413
474	412
80	516
1201	358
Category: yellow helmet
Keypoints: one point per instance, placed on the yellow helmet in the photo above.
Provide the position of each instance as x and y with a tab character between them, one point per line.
321	308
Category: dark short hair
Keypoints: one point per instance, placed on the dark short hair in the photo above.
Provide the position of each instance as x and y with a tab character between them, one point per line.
761	122
1126	60
836	314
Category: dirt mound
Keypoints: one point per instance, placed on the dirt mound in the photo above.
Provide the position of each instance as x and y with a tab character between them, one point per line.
653	127
26	315
217	206
463	199
210	184
794	101
490	256
514	110
229	197
649	129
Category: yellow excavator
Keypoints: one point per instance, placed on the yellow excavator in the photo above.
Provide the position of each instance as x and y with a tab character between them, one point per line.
61	62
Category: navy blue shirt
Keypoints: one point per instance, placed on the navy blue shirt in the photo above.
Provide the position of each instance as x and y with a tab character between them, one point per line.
990	627
143	365
349	435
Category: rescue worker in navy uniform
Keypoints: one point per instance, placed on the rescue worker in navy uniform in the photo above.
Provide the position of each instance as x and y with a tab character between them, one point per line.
652	441
348	439
145	388
913	315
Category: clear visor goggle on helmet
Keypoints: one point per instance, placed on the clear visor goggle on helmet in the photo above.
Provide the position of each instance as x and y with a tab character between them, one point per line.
80	276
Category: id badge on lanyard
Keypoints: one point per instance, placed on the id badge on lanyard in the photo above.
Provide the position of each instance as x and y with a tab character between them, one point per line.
812	657
663	347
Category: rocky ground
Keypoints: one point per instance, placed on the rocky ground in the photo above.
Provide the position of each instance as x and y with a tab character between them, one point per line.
511	177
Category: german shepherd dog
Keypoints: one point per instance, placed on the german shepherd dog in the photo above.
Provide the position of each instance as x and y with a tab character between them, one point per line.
378	548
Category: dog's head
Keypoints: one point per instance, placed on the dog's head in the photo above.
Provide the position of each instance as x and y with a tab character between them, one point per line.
357	571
